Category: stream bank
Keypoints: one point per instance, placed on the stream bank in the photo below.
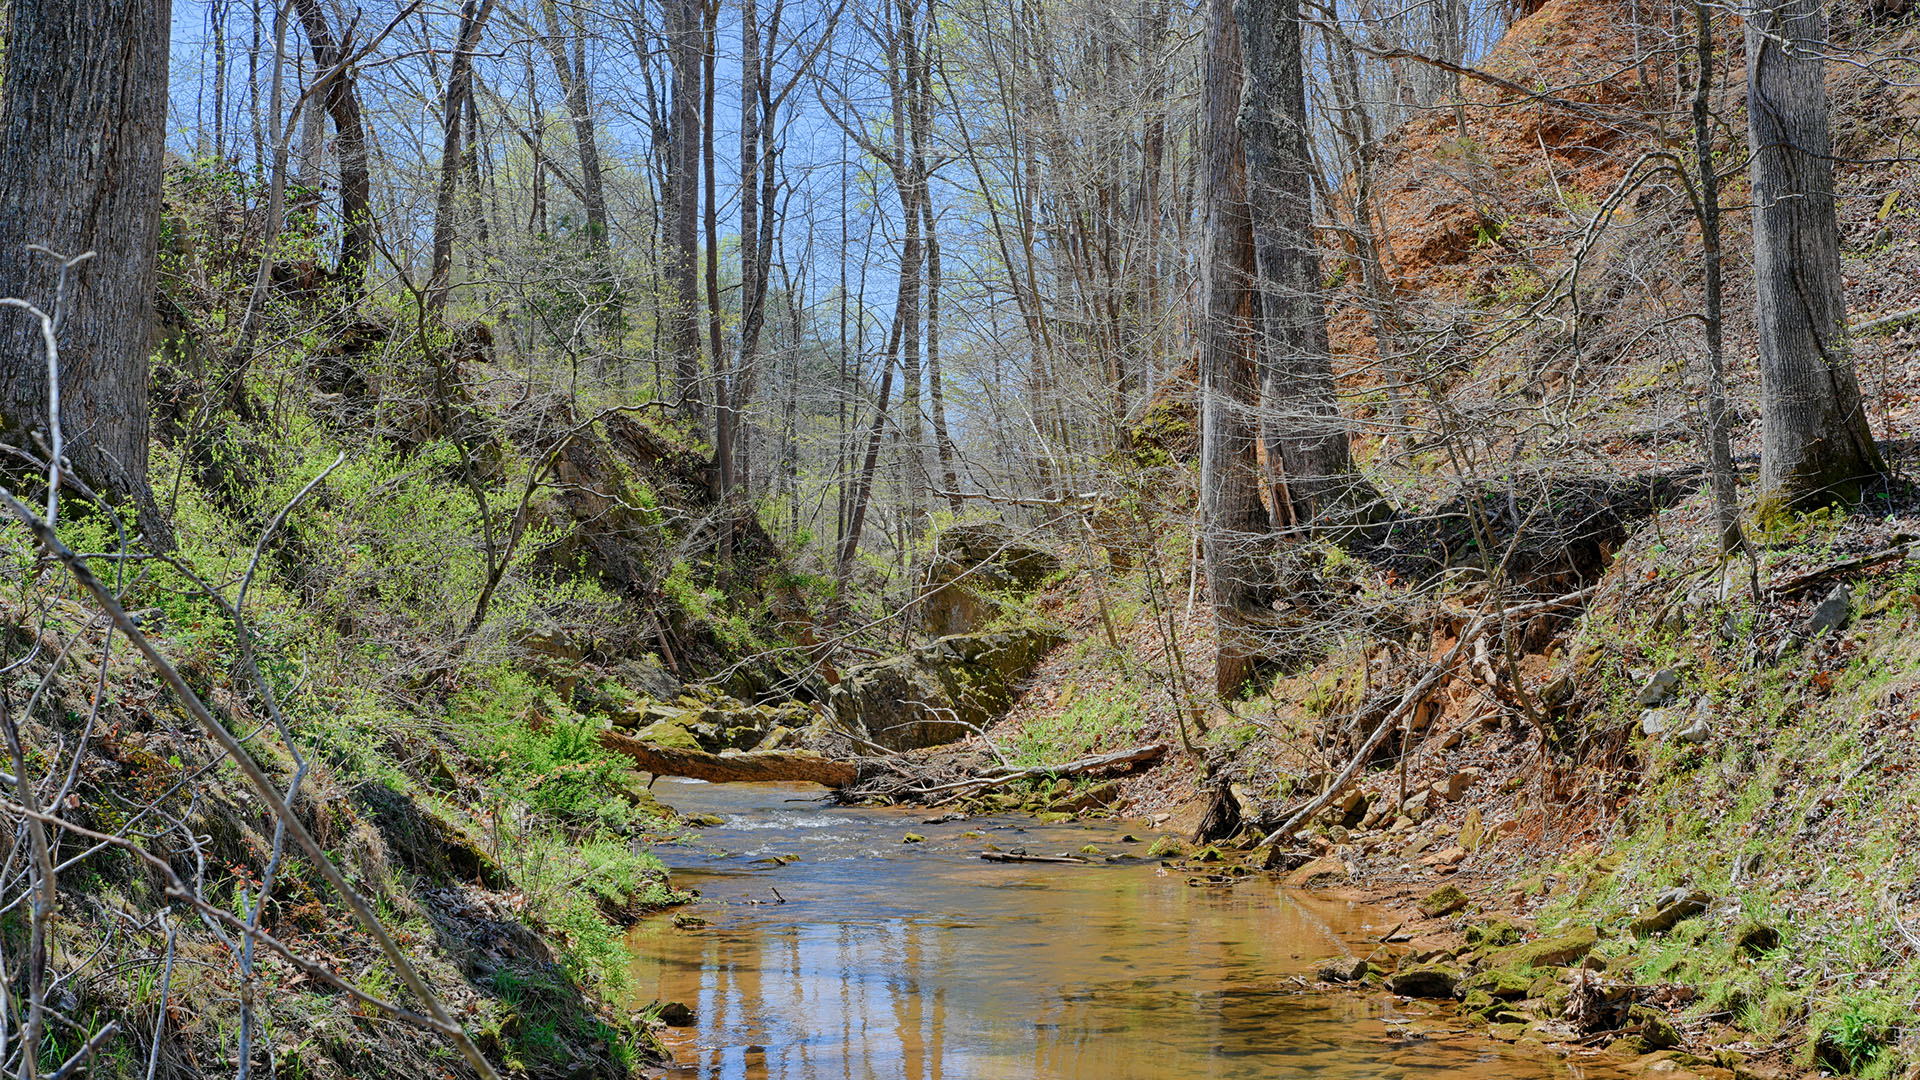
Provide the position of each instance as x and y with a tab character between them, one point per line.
866	941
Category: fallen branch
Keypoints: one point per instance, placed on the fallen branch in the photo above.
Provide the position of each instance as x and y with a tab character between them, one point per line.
1811	578
759	766
1408	701
1021	856
1138	755
1886	322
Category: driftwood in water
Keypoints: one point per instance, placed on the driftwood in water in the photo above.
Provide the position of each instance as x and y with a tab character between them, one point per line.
1021	856
974	785
752	767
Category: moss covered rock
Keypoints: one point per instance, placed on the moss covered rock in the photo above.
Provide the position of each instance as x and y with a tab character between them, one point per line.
1425	981
1549	952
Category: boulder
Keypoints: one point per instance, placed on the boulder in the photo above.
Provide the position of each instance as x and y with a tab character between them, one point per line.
670	732
647	675
1444	900
1548	952
1502	984
1494	934
1323	871
940	692
1343	969
1425	981
1669	910
1832	614
1659	686
971	563
1454	787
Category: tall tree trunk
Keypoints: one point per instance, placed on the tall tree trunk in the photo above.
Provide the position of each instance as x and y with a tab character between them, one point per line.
217	18
473	20
1310	467
752	283
83	108
910	179
684	33
1815	443
571	71
863	486
342	101
1726	504
726	403
1235	530
936	393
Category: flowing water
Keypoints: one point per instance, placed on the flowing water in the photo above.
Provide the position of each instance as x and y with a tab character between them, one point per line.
834	950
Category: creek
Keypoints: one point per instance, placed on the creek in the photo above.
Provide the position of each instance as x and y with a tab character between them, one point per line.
833	949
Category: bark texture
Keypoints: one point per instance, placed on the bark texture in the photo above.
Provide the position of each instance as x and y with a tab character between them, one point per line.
83	104
1815	444
1235	528
684	34
1310	470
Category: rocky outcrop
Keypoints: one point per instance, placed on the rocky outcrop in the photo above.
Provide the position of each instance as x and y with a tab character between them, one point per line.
939	692
705	719
971	564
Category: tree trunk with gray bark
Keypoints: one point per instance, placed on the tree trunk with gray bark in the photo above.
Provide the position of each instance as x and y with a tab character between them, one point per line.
1815	443
83	106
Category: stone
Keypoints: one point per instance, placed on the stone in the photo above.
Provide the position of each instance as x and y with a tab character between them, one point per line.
1655	723
1659	686
1494	934
1655	1030
1695	733
938	692
1472	831
1556	951
1323	871
1502	984
1167	847
775	738
1343	969
1353	808
1444	900
647	675
1667	915
1833	613
1454	787
974	566
1425	981
676	1014
913	838
669	733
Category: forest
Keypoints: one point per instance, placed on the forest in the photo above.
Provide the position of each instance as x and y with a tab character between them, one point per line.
532	532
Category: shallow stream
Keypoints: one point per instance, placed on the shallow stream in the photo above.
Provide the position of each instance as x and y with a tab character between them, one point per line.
832	949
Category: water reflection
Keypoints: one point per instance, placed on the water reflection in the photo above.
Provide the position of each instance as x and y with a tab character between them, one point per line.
893	960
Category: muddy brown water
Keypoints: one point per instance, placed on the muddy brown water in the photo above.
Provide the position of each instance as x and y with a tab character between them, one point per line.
894	960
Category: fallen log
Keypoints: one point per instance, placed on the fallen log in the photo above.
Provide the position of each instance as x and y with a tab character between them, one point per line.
1136	756
1021	856
757	766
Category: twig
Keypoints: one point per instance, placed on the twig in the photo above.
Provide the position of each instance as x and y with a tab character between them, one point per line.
256	777
91	1047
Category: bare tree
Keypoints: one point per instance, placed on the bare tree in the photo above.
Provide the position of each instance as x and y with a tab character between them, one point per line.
342	102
